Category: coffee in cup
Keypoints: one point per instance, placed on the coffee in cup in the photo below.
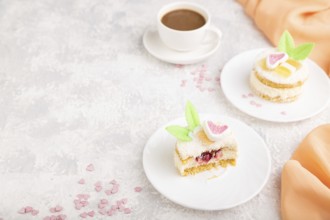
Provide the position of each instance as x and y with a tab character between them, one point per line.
183	20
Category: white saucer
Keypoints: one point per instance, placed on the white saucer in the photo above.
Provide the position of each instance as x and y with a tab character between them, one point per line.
215	189
155	47
235	86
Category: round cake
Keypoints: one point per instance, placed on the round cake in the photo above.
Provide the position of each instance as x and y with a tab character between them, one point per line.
279	75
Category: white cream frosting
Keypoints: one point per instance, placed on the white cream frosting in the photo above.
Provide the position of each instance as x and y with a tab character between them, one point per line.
273	92
195	147
296	76
226	155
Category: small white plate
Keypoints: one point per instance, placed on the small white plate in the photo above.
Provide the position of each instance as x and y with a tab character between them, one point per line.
156	47
235	86
215	189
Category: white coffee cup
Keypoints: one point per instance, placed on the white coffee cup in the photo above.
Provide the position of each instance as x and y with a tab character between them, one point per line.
182	40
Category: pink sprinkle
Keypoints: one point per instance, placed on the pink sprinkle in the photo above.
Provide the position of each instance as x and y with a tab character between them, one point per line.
91	213
127	210
22	211
58	208
114	207
98	188
83	196
84	203
86	196
83	215
179	65
217	79
52	210
78	206
114	190
28	209
250	95
90	167
108	192
46	218
110	212
258	105
104	201
101	206
61	217
121	207
98	183
244	96
211	89
81	181
34	212
124	201
102	211
113	181
252	102
138	189
208	78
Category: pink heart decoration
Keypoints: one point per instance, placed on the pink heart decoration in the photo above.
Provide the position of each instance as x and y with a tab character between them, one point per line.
274	59
58	208
90	167
213	130
216	129
91	213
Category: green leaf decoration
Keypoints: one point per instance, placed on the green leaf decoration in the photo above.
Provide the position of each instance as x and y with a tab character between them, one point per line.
179	132
192	117
286	43
302	51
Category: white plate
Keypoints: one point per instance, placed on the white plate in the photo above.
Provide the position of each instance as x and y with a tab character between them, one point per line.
235	85
232	186
155	47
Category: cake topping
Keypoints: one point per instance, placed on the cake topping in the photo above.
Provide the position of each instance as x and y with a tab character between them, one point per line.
214	130
274	59
192	118
287	45
287	59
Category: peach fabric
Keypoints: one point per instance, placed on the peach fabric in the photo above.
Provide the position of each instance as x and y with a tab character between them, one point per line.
305	184
306	20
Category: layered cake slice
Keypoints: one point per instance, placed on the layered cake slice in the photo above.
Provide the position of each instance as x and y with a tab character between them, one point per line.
279	74
202	146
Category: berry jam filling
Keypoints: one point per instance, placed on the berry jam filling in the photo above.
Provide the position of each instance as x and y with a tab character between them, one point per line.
207	156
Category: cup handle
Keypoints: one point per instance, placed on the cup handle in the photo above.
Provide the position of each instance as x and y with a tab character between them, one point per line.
213	39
